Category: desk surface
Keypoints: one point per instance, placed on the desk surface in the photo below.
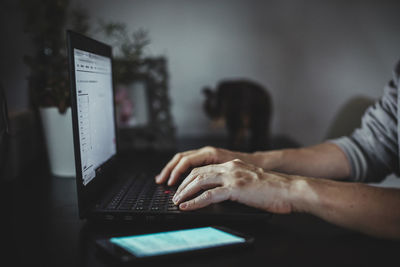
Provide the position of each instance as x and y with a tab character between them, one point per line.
46	231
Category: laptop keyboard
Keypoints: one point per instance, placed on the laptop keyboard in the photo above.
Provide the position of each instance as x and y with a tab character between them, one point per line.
143	195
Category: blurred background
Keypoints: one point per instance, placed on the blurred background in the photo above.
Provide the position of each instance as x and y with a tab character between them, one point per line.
311	56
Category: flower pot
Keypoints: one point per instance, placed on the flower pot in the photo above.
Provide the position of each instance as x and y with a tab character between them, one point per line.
57	130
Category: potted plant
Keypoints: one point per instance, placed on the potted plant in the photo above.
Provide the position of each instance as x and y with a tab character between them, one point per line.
128	60
45	22
143	105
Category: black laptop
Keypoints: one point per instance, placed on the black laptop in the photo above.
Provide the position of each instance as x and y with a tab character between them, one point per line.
105	190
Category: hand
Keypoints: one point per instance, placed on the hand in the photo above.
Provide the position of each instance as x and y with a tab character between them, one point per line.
237	181
181	162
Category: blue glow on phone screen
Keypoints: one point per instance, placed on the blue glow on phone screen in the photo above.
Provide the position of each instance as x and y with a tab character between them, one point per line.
175	241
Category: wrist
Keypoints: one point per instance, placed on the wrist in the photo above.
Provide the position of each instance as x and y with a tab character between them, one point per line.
270	160
301	197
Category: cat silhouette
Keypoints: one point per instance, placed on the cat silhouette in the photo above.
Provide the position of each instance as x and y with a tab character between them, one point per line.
246	108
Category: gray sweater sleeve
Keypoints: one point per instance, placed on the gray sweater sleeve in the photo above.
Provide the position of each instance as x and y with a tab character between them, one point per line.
373	149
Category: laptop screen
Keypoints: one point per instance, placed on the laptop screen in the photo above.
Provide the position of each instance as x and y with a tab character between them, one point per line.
95	110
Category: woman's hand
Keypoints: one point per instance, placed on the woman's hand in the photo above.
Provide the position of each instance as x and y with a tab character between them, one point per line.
182	162
237	181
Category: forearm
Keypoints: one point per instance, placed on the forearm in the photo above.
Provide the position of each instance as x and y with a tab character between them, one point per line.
360	207
325	160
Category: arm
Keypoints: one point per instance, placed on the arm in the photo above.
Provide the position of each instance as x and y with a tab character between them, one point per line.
325	160
368	155
371	210
373	149
356	206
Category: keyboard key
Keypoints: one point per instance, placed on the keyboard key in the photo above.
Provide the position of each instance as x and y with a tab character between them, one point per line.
144	195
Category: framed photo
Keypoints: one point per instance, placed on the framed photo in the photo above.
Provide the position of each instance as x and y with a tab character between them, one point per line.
143	109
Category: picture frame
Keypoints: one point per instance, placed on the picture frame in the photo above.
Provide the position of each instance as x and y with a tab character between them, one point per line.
158	131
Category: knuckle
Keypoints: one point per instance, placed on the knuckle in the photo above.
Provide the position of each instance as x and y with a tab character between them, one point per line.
237	174
232	164
210	149
242	181
178	155
192	202
229	163
200	179
195	171
184	161
207	195
237	161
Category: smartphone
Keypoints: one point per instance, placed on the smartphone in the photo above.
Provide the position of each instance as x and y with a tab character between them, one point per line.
164	244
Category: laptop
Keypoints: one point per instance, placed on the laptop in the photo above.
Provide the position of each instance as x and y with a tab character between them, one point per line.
107	191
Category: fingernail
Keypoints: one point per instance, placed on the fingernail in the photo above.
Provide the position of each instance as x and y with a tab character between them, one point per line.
157	178
175	199
183	205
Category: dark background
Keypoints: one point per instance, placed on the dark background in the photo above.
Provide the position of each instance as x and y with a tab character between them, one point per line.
312	55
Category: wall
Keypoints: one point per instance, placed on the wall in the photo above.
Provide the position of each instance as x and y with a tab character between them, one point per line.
14	45
312	55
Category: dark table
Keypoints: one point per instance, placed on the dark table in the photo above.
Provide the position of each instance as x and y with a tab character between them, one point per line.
43	229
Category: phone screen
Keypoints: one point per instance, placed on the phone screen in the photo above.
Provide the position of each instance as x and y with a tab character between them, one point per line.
175	241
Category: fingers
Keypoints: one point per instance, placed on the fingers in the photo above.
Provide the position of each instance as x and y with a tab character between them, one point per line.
166	171
184	164
195	173
208	197
201	183
187	180
181	162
